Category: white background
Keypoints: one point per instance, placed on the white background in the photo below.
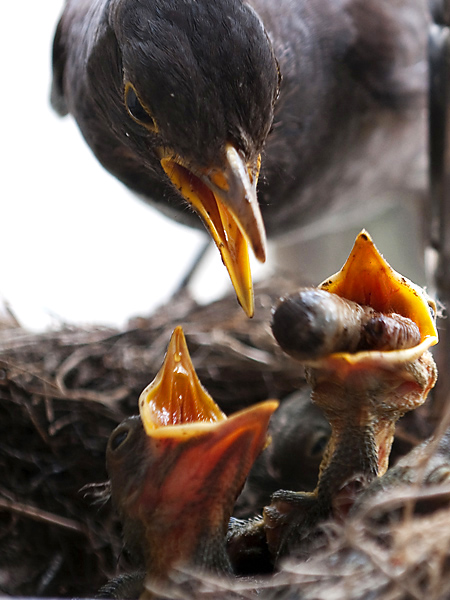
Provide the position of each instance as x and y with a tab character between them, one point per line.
75	245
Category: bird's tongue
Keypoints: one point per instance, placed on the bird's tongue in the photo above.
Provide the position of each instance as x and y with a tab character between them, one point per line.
177	408
176	397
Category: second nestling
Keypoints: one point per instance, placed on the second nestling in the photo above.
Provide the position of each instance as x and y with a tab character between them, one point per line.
176	471
364	337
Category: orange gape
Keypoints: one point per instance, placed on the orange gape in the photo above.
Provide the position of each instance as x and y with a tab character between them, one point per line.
177	471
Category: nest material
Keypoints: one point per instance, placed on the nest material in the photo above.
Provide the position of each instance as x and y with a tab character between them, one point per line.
63	392
408	561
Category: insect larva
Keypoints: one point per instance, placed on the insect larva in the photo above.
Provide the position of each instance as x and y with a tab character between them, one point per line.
314	323
389	332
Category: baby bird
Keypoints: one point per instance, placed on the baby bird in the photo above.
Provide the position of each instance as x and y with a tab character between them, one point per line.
176	471
364	337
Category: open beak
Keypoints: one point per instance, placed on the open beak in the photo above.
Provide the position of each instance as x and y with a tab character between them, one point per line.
367	279
177	471
225	200
176	398
195	436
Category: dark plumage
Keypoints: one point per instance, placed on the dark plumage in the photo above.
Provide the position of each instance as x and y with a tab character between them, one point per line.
299	435
200	76
195	87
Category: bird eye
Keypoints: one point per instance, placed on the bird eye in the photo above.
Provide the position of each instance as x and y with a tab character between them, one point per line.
136	109
118	438
432	308
318	444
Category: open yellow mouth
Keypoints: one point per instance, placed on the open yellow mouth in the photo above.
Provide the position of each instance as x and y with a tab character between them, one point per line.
225	200
176	405
176	397
177	478
367	279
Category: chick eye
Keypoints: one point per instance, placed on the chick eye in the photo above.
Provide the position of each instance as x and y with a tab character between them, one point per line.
118	439
432	308
319	444
137	111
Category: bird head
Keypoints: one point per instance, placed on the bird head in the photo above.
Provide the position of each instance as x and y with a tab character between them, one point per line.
177	470
199	83
362	387
367	279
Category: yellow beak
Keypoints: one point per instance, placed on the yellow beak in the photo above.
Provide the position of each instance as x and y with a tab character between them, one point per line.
176	398
225	200
176	405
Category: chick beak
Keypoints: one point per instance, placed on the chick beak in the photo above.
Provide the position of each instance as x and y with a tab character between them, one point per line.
366	278
176	398
225	200
206	456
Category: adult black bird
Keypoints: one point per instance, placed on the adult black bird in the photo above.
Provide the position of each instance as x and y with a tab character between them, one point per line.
178	100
